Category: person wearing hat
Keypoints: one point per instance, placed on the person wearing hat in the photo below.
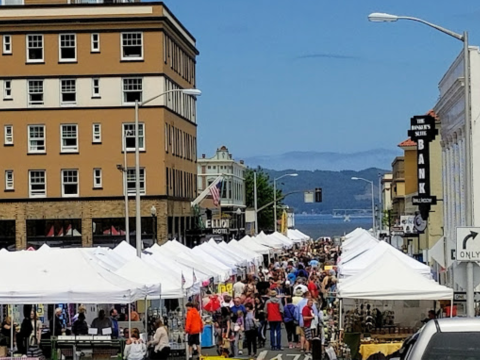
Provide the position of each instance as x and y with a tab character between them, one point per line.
297	296
274	314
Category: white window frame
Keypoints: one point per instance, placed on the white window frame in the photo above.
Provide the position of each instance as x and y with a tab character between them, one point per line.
128	130
30	92
37	193
95	44
28	48
125	89
68	148
30	139
97	174
66	88
97	133
7	44
7	89
96	88
60	47
62	174
9	180
131	58
130	174
8	135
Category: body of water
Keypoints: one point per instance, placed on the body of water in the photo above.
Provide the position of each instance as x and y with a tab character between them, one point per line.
326	225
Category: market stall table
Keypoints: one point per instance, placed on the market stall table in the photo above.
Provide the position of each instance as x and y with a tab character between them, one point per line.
367	350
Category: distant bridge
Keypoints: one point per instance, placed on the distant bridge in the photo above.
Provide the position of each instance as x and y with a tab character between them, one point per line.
352	213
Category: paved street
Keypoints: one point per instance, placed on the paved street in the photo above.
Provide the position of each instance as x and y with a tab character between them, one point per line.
267	354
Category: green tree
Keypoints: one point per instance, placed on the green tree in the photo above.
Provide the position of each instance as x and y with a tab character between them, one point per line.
264	197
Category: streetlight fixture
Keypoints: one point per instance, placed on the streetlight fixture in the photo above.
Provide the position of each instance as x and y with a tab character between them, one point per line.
153	212
373	200
381	17
275	198
138	218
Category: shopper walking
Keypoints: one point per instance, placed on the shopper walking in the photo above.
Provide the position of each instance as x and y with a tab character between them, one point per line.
136	348
160	342
260	317
274	313
193	327
251	330
308	315
290	323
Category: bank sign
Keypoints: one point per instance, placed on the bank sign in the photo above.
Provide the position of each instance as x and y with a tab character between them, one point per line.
422	131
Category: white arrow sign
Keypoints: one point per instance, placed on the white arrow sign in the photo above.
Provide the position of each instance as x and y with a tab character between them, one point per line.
468	244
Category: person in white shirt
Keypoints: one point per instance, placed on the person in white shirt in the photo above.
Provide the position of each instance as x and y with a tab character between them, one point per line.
238	287
160	341
135	348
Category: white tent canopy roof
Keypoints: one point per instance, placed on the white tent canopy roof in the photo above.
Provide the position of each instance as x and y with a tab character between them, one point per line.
62	276
240	248
391	279
269	241
355	233
372	255
362	241
288	242
248	242
294	236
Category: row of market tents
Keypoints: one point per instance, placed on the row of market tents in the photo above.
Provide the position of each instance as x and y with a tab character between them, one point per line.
371	269
118	276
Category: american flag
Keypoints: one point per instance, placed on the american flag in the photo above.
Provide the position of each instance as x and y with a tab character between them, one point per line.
183	279
194	276
215	192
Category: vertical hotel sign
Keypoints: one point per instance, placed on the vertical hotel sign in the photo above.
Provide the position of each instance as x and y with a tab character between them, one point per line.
422	131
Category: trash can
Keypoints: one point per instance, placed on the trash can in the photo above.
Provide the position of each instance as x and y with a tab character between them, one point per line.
316	349
207	336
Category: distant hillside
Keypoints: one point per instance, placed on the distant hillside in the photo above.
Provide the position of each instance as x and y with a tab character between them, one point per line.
339	190
332	161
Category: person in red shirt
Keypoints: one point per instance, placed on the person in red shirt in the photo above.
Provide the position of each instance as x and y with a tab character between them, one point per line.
312	286
308	316
193	327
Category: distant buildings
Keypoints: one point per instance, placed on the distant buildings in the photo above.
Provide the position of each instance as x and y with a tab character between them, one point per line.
70	74
230	215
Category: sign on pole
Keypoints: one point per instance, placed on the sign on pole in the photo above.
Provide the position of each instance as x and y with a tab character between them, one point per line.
468	244
308	197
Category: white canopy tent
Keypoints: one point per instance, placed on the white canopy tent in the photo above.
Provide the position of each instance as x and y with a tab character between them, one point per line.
185	256
272	242
355	233
63	276
288	242
250	260
237	247
373	255
249	243
217	254
362	241
241	260
391	279
294	236
301	234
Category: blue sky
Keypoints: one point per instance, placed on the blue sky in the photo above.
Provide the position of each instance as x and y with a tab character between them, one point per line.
315	75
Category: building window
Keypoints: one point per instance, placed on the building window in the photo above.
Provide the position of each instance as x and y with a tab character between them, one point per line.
36	138
97	133
7	89
97	178
129	137
95	43
7	44
132	48
131	181
69	183
69	93
35	92
132	90
37	183
96	88
69	138
9	185
8	135
34	48
68	49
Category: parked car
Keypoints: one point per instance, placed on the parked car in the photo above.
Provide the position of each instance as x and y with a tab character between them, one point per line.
444	339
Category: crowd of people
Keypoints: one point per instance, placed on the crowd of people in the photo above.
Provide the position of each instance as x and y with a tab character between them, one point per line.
291	292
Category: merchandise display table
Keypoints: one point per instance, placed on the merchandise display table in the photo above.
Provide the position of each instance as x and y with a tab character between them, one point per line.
366	350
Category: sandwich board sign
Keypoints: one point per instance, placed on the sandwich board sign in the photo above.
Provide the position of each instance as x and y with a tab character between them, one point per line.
468	244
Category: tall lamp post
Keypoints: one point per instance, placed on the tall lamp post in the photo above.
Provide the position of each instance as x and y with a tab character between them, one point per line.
138	218
373	200
381	17
275	198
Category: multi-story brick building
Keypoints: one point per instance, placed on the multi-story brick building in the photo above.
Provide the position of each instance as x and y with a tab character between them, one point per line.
70	72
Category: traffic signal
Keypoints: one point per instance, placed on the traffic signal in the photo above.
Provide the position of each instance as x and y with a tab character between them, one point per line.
318	194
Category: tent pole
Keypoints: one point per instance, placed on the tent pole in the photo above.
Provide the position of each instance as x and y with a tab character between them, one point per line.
145	318
451	308
340	320
11	330
129	319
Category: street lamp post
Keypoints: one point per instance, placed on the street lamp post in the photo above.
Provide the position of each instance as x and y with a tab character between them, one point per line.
153	212
373	200
138	218
381	17
275	198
